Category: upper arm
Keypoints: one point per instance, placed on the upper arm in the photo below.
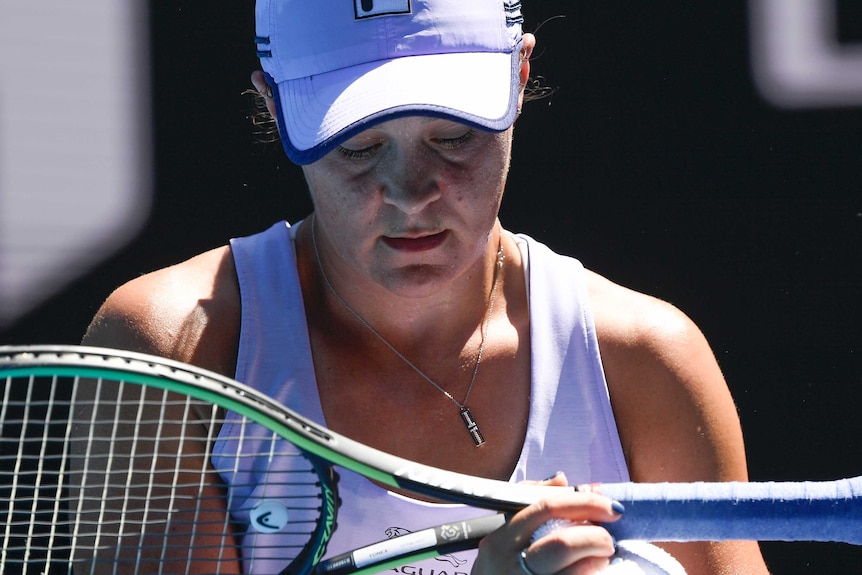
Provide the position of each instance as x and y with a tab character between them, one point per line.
140	466
676	418
189	312
675	413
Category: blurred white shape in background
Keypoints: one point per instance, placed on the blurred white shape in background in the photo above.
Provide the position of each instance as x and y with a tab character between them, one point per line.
796	57
75	149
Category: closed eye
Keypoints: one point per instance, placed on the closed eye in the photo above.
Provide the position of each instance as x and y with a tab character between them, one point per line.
360	154
451	143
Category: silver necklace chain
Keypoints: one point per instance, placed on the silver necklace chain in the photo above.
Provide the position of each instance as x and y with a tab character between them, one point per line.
466	414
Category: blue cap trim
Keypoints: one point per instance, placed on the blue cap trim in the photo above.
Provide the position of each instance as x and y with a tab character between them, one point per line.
311	155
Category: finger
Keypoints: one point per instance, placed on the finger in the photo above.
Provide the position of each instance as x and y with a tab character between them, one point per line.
575	549
575	507
558	479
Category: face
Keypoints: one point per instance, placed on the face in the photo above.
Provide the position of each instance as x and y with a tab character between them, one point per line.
409	204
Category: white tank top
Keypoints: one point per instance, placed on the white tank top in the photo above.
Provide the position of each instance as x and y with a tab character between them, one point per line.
571	425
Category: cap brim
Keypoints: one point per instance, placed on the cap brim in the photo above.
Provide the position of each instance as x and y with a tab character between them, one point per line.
318	113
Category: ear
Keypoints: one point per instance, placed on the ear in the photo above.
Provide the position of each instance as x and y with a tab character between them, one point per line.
527	44
265	90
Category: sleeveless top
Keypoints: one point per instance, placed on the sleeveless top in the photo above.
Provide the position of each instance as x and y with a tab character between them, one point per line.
571	425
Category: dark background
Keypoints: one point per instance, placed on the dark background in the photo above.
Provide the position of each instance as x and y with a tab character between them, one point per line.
655	162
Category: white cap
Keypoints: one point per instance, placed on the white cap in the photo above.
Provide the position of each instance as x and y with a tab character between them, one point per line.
339	66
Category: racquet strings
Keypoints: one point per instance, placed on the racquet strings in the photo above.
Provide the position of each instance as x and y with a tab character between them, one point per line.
115	477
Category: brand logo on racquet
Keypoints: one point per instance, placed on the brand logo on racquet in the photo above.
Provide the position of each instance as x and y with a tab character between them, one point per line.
330	501
269	517
450	532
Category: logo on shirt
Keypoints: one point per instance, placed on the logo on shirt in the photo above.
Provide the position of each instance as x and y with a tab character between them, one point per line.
269	517
370	8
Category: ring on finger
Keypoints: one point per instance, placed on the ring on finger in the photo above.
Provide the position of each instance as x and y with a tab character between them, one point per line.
522	561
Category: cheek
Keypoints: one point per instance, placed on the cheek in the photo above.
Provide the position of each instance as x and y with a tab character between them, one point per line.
332	197
346	213
492	165
486	179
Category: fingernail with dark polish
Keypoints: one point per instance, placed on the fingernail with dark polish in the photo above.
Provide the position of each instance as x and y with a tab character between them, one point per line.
618	507
557	474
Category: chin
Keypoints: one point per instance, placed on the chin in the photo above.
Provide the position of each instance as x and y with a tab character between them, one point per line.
417	281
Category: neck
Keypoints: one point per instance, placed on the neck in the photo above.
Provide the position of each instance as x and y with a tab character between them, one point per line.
462	404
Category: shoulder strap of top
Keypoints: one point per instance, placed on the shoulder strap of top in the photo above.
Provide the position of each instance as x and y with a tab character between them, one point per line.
572	425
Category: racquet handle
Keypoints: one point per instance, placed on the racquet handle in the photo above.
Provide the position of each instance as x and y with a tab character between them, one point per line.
438	540
768	511
789	511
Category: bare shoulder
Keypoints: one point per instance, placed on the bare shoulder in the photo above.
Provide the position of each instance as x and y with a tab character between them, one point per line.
189	312
676	417
641	335
628	318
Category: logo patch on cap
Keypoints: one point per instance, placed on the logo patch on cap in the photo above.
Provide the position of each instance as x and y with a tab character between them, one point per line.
371	8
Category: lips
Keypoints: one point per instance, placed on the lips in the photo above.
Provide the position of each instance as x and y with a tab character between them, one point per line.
416	244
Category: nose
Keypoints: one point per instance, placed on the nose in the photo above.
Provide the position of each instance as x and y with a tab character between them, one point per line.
412	184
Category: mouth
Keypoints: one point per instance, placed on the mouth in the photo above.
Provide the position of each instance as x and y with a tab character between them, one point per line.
416	244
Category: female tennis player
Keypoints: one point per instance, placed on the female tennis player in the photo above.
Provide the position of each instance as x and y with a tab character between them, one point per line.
402	314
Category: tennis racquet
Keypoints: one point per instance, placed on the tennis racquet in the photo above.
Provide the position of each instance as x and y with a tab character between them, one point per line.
105	467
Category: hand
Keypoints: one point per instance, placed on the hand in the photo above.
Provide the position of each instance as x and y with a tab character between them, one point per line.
580	547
